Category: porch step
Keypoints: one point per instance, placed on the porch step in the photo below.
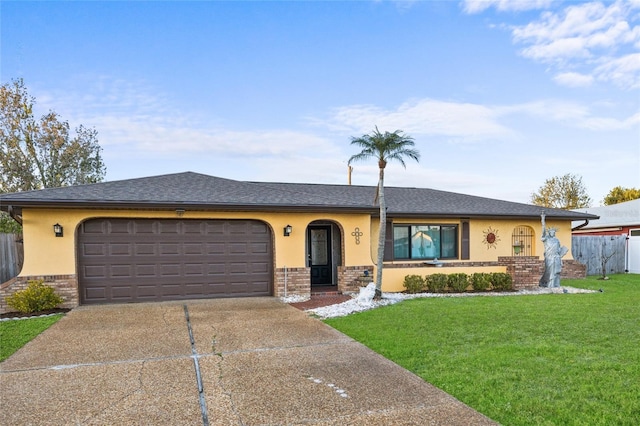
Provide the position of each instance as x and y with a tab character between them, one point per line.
320	293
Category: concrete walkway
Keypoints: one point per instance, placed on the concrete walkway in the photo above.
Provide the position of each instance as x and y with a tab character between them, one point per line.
251	361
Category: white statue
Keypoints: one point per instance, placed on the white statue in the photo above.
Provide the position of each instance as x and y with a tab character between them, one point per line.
553	253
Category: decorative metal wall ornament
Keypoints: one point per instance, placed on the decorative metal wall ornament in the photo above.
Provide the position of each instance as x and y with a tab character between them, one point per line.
357	234
491	238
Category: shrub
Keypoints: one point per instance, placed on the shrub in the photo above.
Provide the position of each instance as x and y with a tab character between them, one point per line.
501	281
458	283
414	283
436	283
481	281
35	298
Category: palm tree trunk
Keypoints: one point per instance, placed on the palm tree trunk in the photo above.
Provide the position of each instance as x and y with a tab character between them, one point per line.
381	236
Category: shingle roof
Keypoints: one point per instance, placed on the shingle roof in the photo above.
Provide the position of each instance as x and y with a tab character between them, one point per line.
194	190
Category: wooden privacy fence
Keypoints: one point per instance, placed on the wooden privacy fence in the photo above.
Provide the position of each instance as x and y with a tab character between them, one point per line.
590	250
11	256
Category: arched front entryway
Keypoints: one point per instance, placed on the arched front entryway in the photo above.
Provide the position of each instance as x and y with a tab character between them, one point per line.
324	254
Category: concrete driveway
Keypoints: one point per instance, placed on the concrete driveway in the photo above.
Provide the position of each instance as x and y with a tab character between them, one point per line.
250	361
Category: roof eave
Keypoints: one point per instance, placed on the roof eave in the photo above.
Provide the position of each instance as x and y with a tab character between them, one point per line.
485	216
139	205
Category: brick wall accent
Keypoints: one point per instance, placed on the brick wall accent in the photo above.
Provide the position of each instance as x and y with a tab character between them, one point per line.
298	281
64	285
525	270
351	278
573	269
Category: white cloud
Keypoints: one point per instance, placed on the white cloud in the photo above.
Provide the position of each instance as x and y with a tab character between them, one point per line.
592	36
573	79
571	114
623	71
464	121
477	6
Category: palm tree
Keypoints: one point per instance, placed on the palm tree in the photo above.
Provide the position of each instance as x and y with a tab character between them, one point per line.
384	147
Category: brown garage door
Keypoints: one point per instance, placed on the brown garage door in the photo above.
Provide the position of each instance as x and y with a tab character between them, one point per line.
140	260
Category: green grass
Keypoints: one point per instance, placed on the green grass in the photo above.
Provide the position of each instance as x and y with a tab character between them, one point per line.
563	359
17	333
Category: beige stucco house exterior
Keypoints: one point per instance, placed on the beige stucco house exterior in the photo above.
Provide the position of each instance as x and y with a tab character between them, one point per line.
188	235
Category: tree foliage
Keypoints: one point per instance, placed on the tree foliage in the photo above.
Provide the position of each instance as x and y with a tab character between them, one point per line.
620	195
562	192
42	153
383	147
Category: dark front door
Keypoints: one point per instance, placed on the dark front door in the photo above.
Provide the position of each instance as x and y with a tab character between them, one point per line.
320	255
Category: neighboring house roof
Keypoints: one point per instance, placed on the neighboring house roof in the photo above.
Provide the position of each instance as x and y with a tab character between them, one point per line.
197	191
616	215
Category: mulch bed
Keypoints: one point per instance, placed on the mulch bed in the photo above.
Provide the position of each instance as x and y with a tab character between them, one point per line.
318	301
34	314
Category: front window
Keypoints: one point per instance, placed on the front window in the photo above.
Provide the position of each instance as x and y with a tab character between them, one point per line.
425	241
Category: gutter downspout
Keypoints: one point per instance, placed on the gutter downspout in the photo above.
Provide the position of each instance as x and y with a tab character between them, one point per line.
14	215
586	222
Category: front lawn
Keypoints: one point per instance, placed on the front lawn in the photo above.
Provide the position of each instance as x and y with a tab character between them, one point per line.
15	334
570	359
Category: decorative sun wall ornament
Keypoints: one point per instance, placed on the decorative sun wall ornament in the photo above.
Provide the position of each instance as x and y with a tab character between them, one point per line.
491	238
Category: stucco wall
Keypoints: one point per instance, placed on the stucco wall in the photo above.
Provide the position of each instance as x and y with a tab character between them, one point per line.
46	254
479	250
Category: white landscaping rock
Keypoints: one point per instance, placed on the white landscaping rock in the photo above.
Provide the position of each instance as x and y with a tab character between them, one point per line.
364	300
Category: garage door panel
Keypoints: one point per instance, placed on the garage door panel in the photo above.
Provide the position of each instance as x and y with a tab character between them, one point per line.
135	260
121	271
94	249
146	227
146	271
194	269
196	228
120	249
120	227
94	271
216	269
168	228
145	249
169	249
170	270
93	227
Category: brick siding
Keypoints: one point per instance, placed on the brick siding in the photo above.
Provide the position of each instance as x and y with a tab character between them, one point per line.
297	280
351	278
573	269
524	270
66	286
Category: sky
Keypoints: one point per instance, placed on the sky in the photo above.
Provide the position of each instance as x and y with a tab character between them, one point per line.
498	95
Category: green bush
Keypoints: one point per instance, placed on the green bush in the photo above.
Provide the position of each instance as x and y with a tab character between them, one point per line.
436	283
35	298
501	281
458	283
414	283
480	281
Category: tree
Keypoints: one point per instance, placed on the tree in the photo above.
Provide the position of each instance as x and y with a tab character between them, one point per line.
562	192
42	153
384	147
620	195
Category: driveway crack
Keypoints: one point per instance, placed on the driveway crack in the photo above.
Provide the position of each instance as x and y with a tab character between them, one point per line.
195	356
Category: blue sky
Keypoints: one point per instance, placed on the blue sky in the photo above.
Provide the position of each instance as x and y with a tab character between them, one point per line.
499	95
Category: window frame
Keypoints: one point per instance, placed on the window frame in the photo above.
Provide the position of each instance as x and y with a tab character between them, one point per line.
409	226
